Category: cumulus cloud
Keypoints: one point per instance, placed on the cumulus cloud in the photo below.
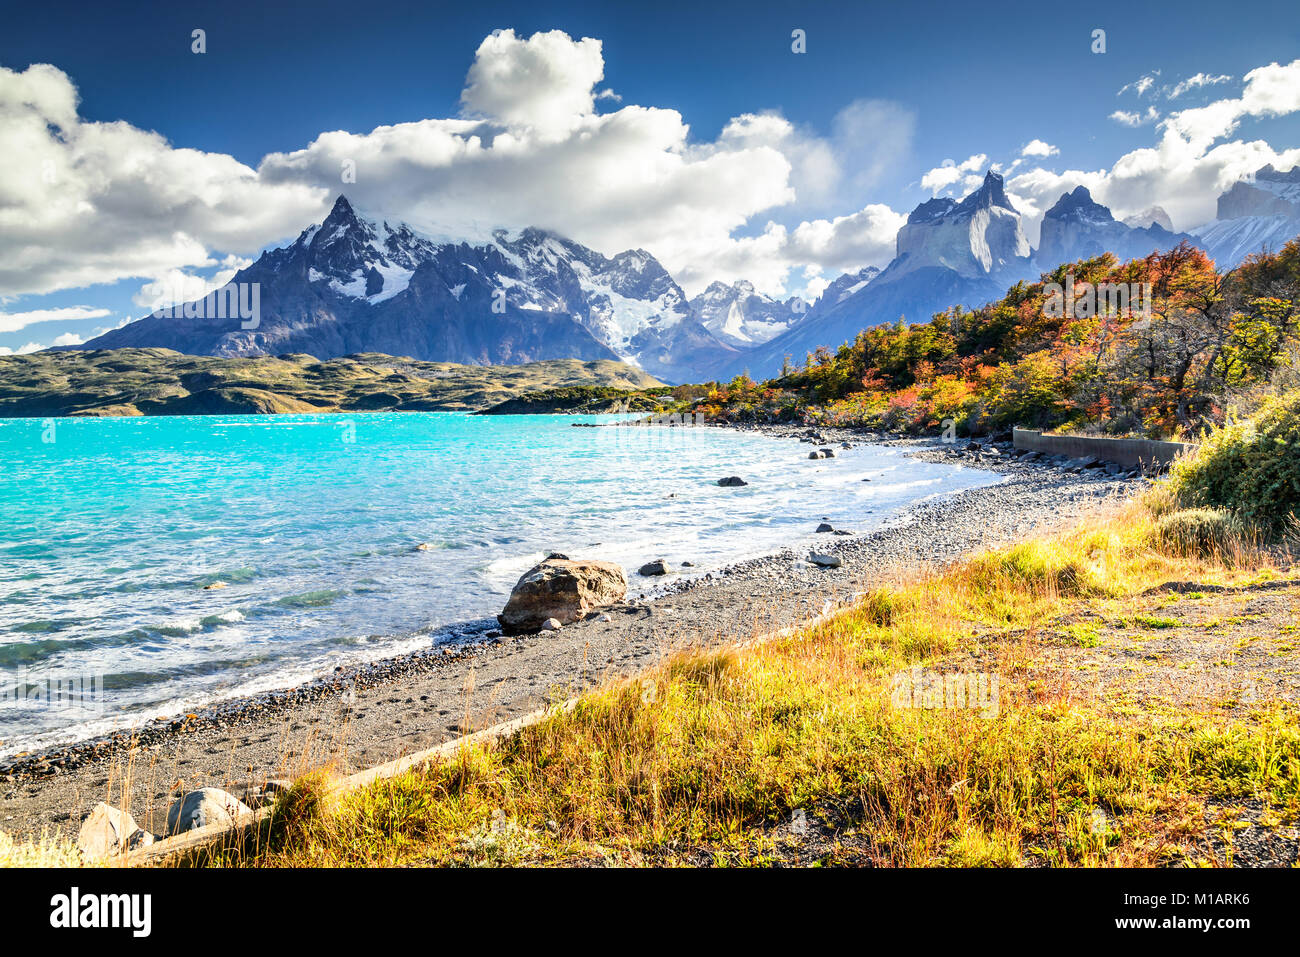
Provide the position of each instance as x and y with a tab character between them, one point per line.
1038	148
84	203
1190	165
949	172
627	178
94	203
538	141
546	82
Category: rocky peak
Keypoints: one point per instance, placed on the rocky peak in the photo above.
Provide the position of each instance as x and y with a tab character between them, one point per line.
1268	174
979	237
1152	216
932	209
990	194
1079	206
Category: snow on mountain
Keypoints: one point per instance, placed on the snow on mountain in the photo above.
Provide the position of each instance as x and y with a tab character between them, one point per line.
744	317
948	253
1077	227
841	288
1261	212
979	237
1151	216
351	284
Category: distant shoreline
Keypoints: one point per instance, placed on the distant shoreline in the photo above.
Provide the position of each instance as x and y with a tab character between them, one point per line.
134	382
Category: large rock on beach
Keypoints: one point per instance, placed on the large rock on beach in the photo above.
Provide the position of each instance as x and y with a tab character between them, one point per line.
563	589
732	481
109	831
204	807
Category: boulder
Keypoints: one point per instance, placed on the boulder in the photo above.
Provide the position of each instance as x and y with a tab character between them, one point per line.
815	454
563	589
827	453
825	527
732	481
109	831
825	561
656	567
204	807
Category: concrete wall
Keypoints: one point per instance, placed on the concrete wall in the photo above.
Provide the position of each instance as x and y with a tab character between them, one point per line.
1127	452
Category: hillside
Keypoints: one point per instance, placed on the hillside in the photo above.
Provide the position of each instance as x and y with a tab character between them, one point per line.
163	382
1176	361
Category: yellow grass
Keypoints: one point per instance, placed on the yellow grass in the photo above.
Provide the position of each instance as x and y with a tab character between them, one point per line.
709	757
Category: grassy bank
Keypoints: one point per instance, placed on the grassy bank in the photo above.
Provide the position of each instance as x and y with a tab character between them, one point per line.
1141	717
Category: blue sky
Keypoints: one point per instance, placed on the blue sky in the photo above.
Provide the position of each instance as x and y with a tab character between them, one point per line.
933	83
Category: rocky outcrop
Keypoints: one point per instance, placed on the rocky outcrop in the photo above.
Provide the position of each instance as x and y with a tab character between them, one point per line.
1077	227
563	589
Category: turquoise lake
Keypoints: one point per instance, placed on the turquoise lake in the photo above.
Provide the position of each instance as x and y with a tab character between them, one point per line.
111	528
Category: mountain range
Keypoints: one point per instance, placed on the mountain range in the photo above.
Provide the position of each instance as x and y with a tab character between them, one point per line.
352	285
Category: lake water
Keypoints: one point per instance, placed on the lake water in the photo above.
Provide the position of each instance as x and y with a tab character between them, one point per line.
110	529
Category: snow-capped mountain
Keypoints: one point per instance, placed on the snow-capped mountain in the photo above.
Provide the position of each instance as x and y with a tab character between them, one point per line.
1078	227
977	238
948	253
1262	212
842	287
744	317
1151	216
353	285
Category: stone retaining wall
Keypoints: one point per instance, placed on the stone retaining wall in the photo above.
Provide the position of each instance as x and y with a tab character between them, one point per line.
1127	452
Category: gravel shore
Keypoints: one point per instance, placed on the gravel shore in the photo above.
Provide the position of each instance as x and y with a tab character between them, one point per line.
361	716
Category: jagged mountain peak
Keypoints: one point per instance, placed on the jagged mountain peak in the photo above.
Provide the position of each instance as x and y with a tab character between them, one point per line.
740	315
1079	206
932	209
992	192
354	283
1151	216
1269	174
1078	227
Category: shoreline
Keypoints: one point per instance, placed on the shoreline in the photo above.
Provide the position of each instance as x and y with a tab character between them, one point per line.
368	713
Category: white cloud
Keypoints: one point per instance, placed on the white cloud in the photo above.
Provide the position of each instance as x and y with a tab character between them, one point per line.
1194	82
13	321
1141	85
1190	165
21	350
178	286
68	339
545	83
84	203
1130	118
950	172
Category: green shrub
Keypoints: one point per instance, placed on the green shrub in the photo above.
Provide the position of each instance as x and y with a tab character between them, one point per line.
1251	468
1199	532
